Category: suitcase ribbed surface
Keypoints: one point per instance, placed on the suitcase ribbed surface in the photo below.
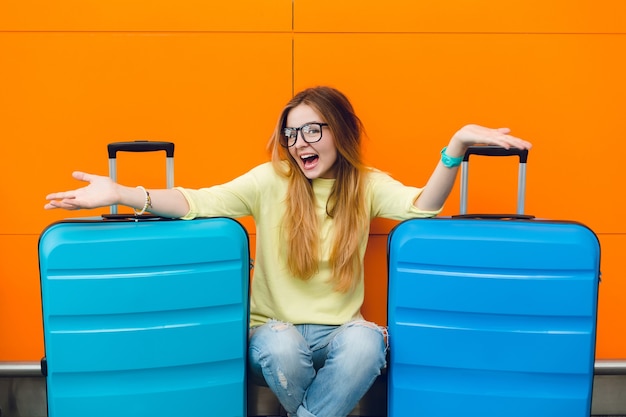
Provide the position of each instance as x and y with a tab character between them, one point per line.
491	318
145	318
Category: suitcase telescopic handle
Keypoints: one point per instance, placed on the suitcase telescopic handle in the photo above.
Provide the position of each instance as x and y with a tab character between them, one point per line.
491	150
140	146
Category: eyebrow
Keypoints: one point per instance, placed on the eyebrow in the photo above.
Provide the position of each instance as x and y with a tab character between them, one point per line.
307	123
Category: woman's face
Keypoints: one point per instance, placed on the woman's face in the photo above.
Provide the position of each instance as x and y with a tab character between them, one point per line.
316	160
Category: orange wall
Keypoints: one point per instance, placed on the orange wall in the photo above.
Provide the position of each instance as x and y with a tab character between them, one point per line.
213	76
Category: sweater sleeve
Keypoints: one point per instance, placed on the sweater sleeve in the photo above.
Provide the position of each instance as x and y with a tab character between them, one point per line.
391	199
236	198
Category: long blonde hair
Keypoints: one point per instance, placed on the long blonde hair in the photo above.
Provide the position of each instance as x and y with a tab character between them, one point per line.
346	203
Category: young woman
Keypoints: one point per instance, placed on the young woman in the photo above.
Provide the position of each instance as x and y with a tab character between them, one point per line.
312	206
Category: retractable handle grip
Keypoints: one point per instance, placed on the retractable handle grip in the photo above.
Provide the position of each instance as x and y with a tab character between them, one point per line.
141	146
492	150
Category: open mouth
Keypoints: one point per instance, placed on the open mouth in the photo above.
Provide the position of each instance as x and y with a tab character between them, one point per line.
309	161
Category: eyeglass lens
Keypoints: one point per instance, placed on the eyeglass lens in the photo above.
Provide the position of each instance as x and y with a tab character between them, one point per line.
311	132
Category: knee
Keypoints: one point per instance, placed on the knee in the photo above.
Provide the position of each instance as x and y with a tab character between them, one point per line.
366	344
275	340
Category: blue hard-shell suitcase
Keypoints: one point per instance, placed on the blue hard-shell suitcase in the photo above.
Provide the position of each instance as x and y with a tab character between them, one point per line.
492	315
145	317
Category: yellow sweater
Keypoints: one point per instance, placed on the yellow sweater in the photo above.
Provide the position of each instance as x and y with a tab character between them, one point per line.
275	293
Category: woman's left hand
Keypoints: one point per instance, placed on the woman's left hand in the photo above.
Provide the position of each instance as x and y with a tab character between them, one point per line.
479	135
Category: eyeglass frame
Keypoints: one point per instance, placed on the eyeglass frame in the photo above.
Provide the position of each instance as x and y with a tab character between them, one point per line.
287	145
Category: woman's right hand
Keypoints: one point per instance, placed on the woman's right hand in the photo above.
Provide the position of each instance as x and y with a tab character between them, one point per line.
100	192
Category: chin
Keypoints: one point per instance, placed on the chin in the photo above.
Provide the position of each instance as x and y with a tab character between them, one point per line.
310	174
316	173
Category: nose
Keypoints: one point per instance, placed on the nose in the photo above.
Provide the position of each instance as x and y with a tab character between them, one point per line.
300	142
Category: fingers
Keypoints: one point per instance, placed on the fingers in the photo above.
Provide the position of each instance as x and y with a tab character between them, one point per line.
67	199
508	141
61	203
83	176
64	195
504	139
499	136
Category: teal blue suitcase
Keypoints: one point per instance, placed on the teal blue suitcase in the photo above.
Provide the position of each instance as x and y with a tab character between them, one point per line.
491	316
145	318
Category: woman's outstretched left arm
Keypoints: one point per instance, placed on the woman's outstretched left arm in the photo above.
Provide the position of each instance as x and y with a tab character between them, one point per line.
441	181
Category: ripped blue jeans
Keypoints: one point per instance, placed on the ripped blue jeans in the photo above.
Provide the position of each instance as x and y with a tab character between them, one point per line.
317	370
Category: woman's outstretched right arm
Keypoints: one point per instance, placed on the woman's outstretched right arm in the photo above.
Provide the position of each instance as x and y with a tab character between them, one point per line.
102	191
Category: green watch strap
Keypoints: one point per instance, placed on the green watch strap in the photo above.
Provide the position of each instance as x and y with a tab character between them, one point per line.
450	161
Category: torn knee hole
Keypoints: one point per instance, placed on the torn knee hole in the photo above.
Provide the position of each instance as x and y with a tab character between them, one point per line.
365	323
279	325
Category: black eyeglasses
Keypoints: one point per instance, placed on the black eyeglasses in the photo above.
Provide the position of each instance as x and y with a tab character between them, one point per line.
310	132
